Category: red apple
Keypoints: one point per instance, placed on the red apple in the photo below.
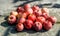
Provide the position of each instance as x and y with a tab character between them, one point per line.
32	17
29	11
45	15
19	15
52	19
21	20
47	25
24	15
27	6
14	13
37	12
19	27
35	8
20	9
37	26
45	10
11	19
40	19
28	24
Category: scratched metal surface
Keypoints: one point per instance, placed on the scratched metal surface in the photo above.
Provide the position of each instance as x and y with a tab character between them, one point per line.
6	6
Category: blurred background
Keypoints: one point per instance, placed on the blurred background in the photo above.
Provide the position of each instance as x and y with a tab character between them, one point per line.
12	4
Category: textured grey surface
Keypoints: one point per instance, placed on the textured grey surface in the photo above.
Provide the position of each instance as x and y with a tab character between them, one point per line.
6	6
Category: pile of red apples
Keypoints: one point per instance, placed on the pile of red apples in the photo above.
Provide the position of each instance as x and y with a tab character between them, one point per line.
28	17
